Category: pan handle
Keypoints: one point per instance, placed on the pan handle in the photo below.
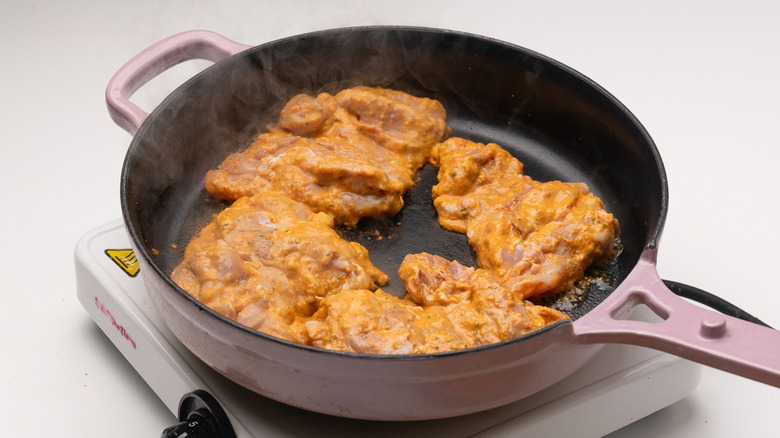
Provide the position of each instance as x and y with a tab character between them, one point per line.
185	46
685	329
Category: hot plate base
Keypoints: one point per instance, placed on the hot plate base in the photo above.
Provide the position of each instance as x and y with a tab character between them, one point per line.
622	384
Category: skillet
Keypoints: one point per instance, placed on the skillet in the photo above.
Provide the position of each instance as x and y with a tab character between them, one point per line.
560	124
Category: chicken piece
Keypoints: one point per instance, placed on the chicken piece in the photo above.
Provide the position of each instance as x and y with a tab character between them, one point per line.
566	229
267	260
351	155
454	307
474	179
304	115
407	125
479	305
341	179
537	237
258	297
366	322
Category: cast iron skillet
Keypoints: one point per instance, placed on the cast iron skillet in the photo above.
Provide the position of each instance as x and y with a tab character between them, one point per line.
557	122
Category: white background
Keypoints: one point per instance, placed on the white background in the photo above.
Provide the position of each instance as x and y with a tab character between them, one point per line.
702	76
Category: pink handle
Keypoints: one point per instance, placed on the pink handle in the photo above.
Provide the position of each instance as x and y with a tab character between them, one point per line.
687	330
185	46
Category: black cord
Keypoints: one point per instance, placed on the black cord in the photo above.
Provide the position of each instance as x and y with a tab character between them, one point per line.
711	301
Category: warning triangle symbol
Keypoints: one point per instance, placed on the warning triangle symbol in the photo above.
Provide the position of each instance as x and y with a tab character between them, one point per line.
125	259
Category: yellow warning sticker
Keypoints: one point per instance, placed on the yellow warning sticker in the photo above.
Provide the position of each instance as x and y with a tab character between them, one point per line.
125	259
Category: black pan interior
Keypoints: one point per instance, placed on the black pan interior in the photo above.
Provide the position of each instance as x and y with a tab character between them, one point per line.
561	125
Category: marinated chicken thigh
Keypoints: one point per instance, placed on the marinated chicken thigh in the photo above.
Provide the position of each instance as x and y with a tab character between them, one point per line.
450	307
407	125
267	260
477	302
351	155
537	237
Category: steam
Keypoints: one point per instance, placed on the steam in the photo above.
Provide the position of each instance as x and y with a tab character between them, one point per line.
223	108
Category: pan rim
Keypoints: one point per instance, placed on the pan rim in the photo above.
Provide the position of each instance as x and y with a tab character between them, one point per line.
137	239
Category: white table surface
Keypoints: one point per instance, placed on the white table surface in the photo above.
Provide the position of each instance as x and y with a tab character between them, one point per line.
702	76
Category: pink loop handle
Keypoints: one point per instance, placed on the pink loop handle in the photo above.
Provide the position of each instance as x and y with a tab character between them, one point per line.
185	46
686	330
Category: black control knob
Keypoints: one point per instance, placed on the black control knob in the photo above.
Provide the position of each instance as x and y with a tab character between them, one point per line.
200	416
